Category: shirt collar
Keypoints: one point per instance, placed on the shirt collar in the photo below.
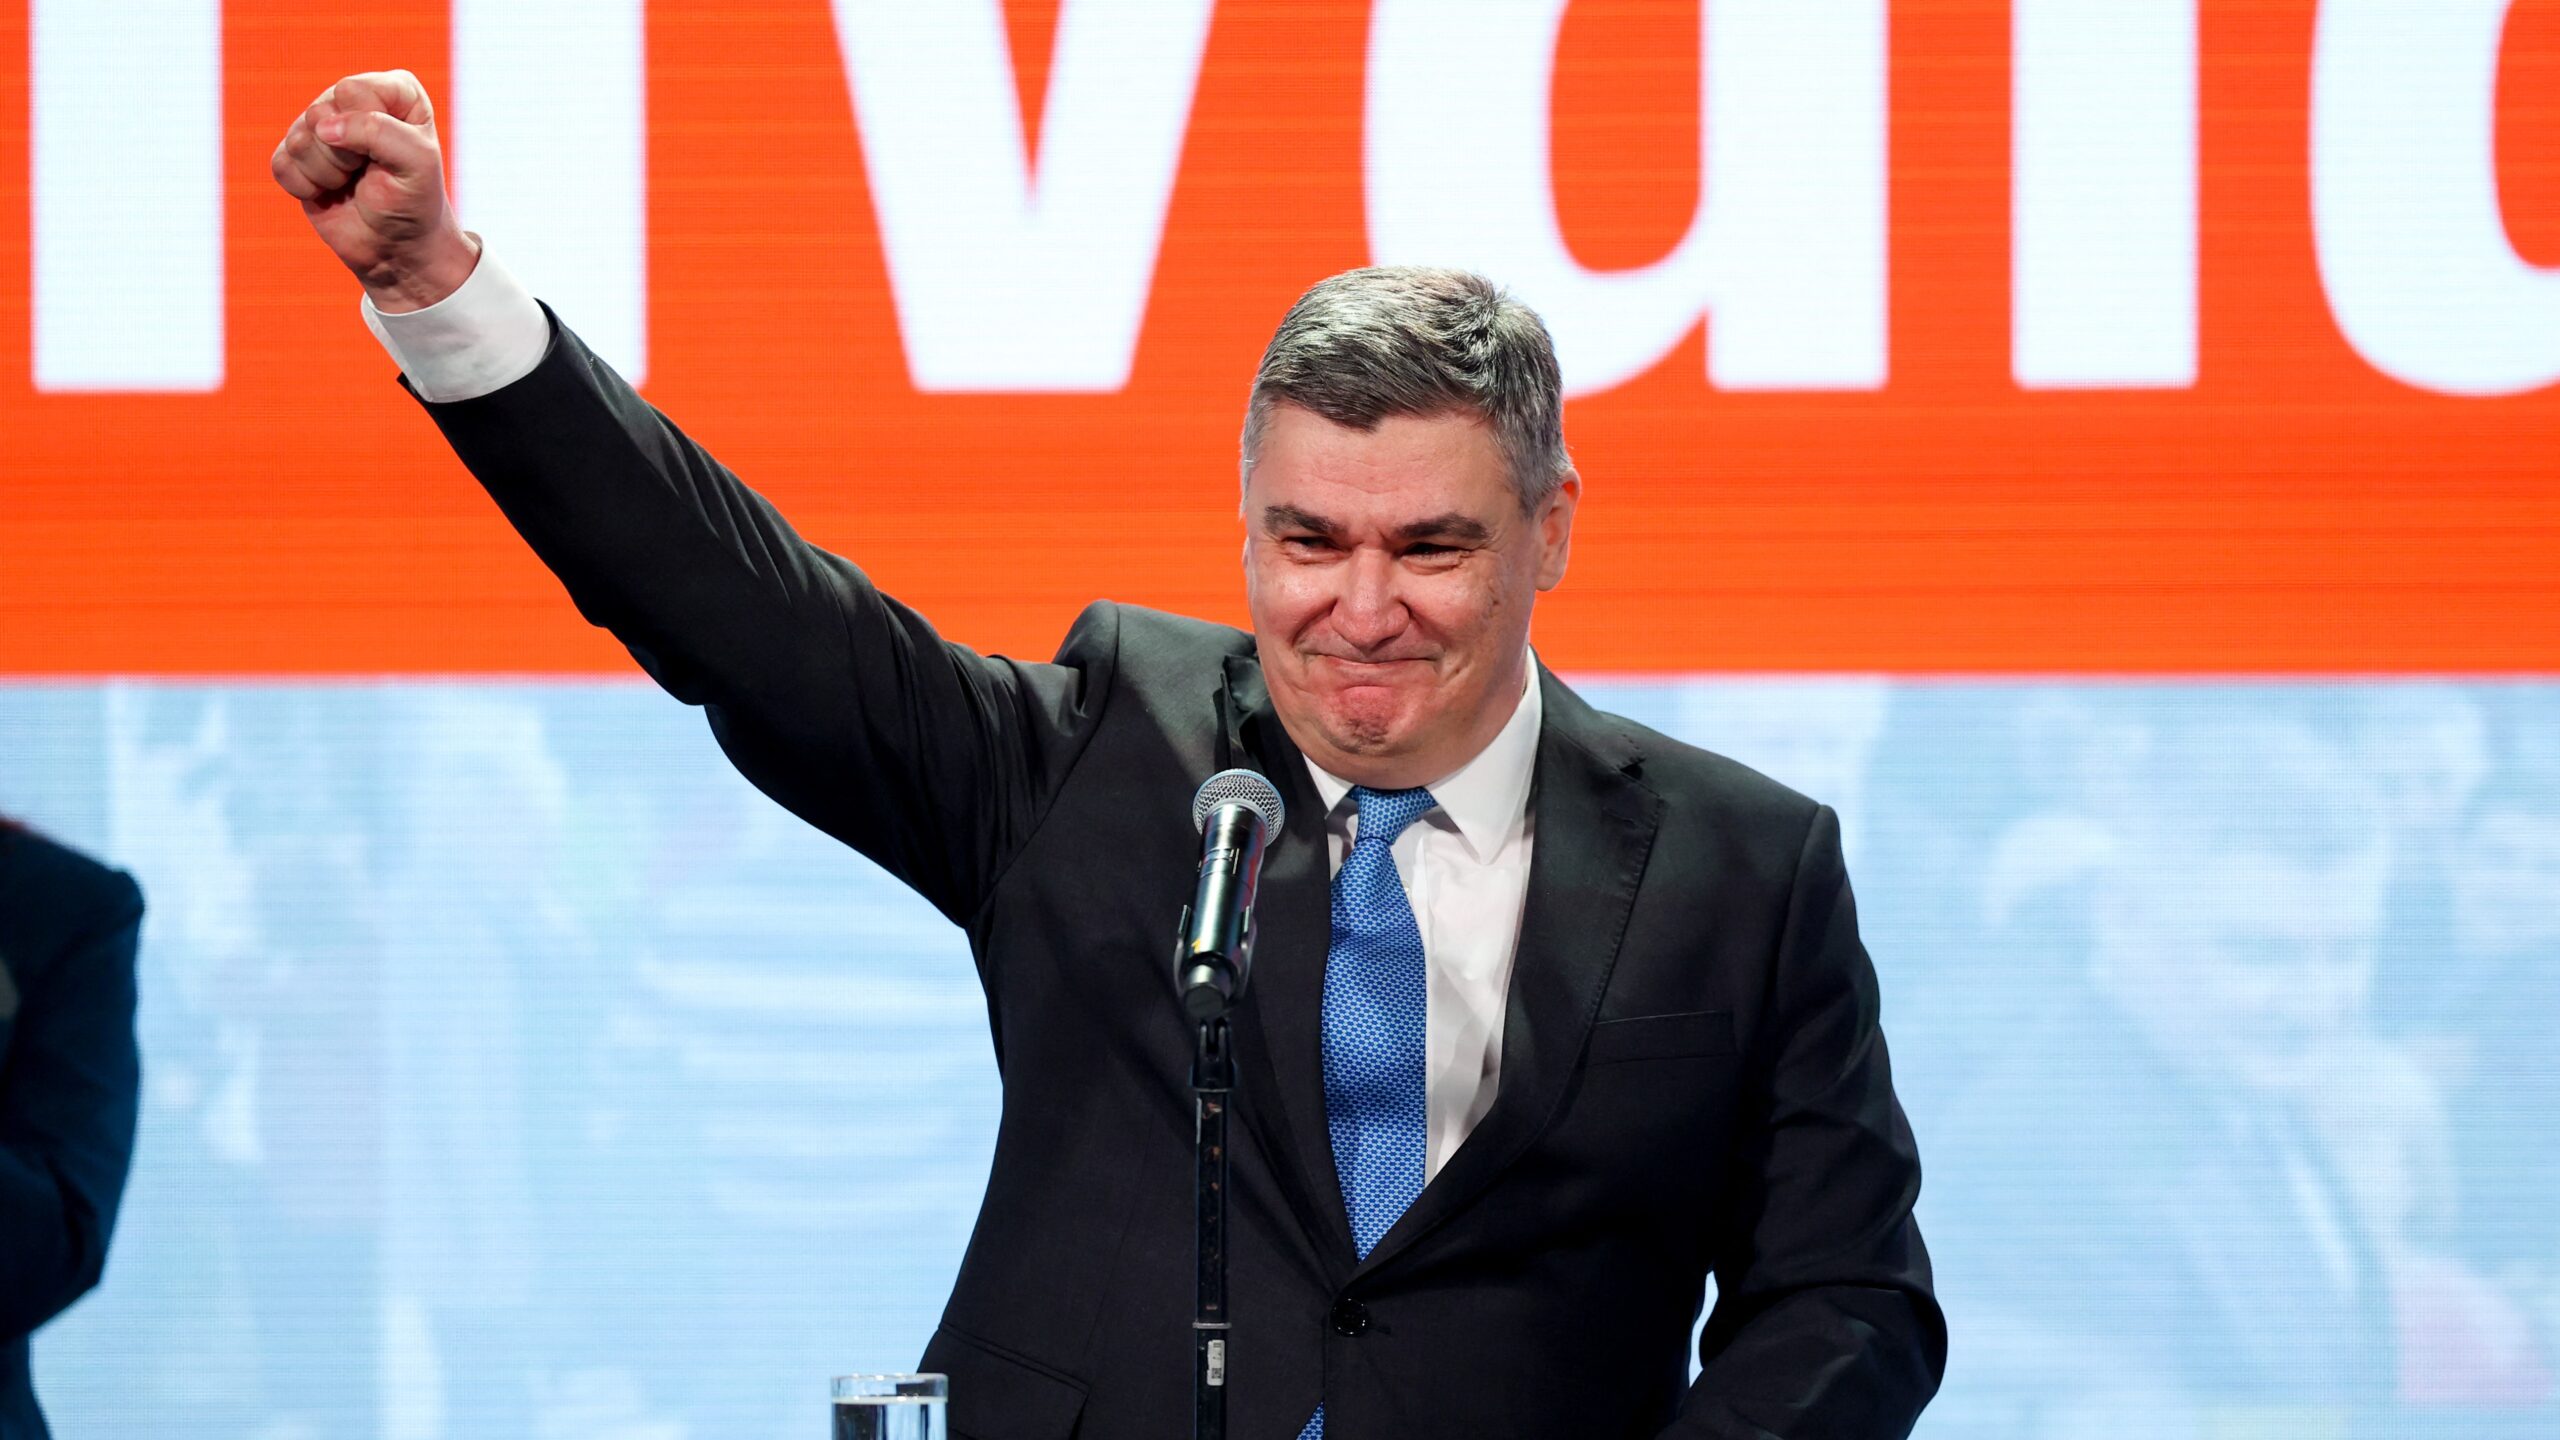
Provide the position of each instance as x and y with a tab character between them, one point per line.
1487	795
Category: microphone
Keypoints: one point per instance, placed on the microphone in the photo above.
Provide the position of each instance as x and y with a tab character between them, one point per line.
1238	812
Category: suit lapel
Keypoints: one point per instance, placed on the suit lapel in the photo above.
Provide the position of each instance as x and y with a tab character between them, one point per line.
1279	1023
1595	829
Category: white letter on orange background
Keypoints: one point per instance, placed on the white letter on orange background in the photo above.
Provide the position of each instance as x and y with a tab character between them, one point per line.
2404	199
126	194
2103	184
549	128
1010	274
1786	253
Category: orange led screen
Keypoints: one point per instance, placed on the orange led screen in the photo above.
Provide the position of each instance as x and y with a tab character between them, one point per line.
2234	362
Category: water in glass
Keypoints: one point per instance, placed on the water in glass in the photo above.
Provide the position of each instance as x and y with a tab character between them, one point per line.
889	1417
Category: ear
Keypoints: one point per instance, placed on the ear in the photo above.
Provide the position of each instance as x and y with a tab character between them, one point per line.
1555	530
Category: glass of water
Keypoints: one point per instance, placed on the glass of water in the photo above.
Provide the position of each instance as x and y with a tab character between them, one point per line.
890	1407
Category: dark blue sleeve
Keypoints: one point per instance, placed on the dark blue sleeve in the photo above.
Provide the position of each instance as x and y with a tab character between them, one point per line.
69	1089
833	698
1826	1321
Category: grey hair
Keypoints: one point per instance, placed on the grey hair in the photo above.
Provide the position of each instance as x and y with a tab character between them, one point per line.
1414	340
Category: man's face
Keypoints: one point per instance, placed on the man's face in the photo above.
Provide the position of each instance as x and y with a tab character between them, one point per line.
1390	573
2249	969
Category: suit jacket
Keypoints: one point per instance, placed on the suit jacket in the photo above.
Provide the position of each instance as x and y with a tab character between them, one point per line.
1692	1076
70	1079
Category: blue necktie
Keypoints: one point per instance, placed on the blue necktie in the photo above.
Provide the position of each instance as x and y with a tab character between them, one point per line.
1376	1004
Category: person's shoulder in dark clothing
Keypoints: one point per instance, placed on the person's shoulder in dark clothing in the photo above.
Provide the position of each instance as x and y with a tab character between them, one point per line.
49	891
70	1086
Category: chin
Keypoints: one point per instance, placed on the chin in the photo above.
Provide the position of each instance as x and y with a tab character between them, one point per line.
1367	728
1361	735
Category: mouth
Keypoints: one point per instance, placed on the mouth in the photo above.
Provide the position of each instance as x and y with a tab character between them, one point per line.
1368	672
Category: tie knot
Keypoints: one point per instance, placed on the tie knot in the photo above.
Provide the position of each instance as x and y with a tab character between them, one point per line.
1384	814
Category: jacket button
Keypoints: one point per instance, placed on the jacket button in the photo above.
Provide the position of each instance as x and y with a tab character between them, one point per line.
1350	1317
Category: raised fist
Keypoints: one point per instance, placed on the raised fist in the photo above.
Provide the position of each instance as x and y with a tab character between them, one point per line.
364	161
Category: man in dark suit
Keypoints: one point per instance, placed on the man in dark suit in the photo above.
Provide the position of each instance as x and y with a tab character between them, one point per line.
70	1079
1555	1016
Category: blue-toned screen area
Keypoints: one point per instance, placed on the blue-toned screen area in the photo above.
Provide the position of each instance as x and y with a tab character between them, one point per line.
513	1069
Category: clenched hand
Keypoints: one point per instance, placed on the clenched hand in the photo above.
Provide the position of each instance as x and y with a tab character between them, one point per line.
364	161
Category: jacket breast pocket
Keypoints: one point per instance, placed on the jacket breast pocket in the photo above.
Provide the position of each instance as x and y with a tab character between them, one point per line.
1660	1037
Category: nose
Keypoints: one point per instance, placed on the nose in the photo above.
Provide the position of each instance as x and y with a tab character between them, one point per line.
1368	612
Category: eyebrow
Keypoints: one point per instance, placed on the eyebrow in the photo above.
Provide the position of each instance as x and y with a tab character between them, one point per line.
1450	525
1276	518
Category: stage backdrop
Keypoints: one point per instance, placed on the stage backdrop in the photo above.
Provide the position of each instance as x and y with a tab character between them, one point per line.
2106	447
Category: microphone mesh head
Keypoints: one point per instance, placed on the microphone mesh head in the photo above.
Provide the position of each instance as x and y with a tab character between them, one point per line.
1238	787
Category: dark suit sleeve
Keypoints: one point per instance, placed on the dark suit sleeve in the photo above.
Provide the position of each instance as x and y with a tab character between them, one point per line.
68	1095
1825	1324
837	701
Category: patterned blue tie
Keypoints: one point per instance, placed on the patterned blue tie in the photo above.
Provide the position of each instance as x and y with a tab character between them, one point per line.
1376	1003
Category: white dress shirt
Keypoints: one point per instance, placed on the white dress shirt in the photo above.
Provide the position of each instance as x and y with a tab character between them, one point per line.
1465	864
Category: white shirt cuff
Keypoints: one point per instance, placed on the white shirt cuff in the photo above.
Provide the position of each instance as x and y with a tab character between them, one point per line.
483	337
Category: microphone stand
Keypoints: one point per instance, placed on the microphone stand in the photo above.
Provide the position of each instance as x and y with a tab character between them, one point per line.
1213	1078
1236	811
